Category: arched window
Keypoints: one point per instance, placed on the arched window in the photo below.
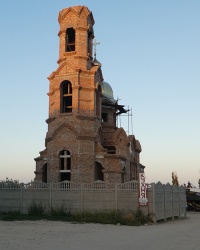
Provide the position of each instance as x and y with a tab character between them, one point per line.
44	173
70	40
123	175
98	101
66	97
90	38
98	172
65	165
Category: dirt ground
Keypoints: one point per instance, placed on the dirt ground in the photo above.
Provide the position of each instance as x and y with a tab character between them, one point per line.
46	235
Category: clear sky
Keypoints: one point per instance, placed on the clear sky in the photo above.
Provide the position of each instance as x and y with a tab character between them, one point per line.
150	55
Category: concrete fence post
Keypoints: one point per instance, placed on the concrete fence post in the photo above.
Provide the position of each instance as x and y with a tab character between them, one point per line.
179	203
21	197
50	196
164	193
116	197
173	200
153	202
82	193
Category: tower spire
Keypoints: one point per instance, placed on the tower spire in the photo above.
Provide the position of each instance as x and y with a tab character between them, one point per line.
95	61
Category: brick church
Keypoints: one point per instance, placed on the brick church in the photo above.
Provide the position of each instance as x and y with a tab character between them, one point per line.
83	142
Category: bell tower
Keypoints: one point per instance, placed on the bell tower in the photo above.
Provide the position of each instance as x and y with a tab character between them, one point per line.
76	92
74	103
83	142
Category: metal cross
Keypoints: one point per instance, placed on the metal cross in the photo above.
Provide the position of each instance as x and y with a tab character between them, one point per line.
95	50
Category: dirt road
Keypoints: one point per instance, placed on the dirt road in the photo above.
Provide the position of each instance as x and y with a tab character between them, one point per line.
47	235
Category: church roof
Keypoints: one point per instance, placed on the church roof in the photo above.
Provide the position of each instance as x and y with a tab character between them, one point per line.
108	99
107	92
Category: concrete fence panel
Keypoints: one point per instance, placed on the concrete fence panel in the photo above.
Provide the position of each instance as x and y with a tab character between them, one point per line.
164	201
168	199
159	201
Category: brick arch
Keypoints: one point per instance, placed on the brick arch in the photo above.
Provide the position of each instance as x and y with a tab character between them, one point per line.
77	10
136	143
70	66
65	12
120	132
84	10
138	147
63	125
131	138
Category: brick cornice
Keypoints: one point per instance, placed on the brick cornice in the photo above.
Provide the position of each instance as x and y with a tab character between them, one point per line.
61	31
81	28
86	117
81	57
85	137
114	156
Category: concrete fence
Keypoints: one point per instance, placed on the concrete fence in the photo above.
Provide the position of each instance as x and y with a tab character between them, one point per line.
164	201
167	201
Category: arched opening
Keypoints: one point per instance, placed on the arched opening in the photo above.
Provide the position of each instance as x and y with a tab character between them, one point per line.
123	175
104	117
98	172
65	165
66	97
98	102
90	39
70	40
44	173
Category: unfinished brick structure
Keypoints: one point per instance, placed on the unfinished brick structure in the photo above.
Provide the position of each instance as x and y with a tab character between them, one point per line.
83	143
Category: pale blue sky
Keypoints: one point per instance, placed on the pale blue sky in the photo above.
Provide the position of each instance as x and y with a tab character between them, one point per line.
150	55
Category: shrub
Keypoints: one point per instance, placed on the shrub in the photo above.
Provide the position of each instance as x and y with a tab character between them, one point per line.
60	213
113	217
36	209
10	216
37	212
140	218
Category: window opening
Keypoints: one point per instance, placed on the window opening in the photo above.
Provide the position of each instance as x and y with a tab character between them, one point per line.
111	150
90	37
104	117
66	97
44	173
98	102
70	40
65	165
123	175
98	172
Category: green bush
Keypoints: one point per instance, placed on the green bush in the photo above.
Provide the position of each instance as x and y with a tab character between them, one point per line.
113	217
11	216
140	218
104	217
37	212
60	213
36	209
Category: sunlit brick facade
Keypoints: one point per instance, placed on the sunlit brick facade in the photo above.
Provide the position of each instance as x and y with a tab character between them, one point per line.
83	143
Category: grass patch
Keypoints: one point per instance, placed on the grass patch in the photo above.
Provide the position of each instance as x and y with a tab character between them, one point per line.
11	216
38	212
36	209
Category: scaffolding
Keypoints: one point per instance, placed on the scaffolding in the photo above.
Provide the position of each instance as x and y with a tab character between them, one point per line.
126	118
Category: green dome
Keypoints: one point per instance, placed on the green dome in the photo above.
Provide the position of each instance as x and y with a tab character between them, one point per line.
107	92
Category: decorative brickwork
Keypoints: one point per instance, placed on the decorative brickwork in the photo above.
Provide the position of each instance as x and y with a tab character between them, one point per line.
83	143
